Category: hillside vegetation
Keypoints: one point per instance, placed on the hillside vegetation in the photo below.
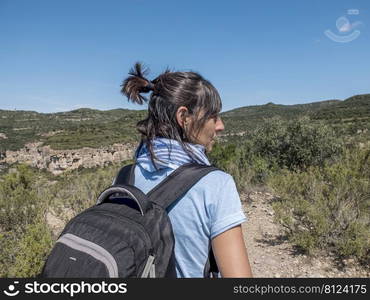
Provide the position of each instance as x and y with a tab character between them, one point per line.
68	130
93	128
347	117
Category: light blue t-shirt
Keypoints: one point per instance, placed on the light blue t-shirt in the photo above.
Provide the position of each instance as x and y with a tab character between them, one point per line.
209	208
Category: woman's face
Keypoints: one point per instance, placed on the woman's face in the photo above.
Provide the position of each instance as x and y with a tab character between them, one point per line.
207	134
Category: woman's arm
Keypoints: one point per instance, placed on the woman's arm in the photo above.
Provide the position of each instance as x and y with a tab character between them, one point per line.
230	253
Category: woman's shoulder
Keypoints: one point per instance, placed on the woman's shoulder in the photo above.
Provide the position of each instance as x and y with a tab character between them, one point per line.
220	174
217	179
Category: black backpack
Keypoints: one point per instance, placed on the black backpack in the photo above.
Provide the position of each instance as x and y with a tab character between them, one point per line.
127	233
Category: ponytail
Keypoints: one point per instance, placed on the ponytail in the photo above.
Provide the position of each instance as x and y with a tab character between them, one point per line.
136	83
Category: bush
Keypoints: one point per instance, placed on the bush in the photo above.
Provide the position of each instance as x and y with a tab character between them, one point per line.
18	200
78	189
327	207
26	196
297	144
30	251
23	234
275	145
247	170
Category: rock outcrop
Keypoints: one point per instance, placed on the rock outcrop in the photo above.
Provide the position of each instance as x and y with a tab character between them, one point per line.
58	161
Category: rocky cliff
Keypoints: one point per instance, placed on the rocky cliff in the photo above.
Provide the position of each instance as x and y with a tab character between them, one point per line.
58	161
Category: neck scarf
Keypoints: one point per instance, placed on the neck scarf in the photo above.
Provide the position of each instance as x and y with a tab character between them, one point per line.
170	154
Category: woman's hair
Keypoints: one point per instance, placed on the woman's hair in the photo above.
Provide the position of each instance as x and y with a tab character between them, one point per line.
170	90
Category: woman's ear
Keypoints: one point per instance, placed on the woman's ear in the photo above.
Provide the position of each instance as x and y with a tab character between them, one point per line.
182	116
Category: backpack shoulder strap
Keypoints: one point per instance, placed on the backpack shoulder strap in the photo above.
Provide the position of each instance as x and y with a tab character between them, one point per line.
125	176
175	185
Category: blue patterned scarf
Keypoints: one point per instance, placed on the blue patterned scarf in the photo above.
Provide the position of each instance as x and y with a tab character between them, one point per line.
170	154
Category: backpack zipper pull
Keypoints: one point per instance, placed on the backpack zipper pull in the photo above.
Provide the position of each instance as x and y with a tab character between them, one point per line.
149	269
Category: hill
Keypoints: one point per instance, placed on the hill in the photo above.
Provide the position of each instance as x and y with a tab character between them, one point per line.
347	116
68	130
94	128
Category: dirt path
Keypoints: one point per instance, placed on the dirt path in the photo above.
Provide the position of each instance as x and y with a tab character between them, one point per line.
271	255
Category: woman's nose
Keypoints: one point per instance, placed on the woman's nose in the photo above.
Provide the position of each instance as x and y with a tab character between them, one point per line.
220	125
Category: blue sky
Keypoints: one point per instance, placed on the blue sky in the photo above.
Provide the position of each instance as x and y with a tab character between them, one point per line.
62	55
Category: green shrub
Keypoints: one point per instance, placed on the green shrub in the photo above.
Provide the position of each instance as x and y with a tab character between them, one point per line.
19	205
78	189
23	233
296	144
275	145
231	158
327	207
355	241
31	251
26	196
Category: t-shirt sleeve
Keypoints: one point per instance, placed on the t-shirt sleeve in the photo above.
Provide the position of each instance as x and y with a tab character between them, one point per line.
227	210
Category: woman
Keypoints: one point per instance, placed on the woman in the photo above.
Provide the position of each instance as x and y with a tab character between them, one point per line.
181	127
